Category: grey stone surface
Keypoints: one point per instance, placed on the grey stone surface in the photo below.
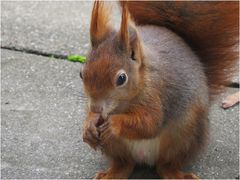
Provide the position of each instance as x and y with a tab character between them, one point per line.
221	159
41	125
54	27
42	115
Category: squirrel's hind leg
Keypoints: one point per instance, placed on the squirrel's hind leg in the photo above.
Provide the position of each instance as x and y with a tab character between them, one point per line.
181	141
116	171
172	173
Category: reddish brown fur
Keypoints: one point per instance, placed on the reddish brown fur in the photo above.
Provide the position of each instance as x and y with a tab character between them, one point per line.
141	116
117	171
183	138
124	25
210	28
122	124
90	129
100	18
98	87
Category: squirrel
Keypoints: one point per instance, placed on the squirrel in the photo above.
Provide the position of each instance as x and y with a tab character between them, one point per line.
150	83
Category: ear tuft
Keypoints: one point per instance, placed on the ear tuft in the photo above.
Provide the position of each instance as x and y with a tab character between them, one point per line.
124	24
99	28
128	35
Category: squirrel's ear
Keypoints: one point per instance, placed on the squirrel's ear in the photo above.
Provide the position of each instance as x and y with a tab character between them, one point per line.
99	28
124	34
129	39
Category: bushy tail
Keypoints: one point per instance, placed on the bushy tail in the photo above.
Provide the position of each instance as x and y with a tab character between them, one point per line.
210	28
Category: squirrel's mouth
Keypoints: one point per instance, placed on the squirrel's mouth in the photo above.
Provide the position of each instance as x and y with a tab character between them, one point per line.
100	121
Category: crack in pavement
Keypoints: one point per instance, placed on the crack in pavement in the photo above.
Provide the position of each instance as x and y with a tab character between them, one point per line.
35	52
60	56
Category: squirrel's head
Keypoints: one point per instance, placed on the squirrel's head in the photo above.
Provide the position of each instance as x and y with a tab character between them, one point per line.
114	71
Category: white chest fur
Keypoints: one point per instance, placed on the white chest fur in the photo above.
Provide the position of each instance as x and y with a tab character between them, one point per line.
144	151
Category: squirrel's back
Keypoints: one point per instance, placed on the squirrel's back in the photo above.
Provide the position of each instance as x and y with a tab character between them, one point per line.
175	70
210	28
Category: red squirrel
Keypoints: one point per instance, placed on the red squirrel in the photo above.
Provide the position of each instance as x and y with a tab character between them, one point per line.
150	83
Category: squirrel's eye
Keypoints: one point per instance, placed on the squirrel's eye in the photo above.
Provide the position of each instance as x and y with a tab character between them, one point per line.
121	79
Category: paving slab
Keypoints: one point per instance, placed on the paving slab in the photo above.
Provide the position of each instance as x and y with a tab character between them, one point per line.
60	27
42	115
42	112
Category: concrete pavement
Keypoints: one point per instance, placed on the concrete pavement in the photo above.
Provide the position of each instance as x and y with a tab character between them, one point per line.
42	102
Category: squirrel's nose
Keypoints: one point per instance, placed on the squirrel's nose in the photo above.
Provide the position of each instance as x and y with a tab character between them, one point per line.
96	109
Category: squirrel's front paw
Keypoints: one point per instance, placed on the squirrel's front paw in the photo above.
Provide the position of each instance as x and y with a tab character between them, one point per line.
107	132
91	135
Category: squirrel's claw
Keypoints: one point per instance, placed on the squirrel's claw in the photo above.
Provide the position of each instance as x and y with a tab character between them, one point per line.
91	135
105	133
